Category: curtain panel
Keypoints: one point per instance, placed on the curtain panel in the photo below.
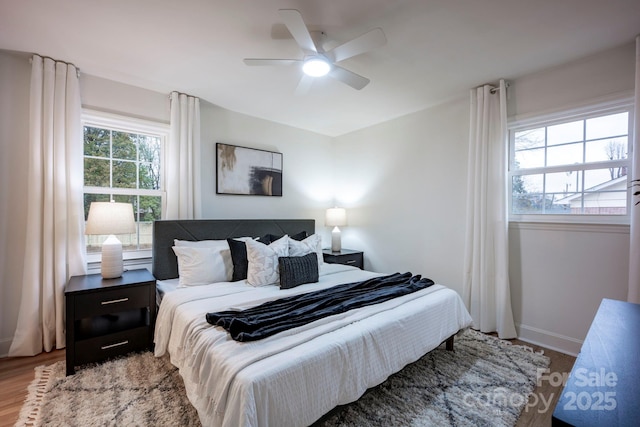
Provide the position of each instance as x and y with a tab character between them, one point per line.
634	249
54	226
182	159
486	289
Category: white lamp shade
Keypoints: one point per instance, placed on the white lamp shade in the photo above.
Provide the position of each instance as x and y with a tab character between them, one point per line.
335	217
110	218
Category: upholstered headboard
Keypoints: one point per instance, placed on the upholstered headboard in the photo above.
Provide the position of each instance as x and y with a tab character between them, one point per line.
165	264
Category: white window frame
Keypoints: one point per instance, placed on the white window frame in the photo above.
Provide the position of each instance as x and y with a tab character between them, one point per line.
132	125
594	110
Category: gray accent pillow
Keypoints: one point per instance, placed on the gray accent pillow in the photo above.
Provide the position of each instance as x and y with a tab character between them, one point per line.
298	270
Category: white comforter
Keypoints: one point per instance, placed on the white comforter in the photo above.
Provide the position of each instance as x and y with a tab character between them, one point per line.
294	377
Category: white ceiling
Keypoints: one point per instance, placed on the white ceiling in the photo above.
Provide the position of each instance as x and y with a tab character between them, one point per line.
436	51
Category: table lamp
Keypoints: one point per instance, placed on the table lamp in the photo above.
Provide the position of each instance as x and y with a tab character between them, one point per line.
110	218
335	217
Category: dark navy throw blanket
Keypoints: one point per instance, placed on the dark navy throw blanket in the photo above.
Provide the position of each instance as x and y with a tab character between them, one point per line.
279	315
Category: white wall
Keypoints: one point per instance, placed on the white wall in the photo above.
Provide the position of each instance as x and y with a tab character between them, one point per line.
307	165
307	185
307	168
117	98
560	274
403	183
601	76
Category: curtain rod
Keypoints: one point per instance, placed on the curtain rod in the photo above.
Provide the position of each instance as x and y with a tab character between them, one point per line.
180	93
56	60
495	89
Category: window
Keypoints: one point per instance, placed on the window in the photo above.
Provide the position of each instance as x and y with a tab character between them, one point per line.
572	166
123	162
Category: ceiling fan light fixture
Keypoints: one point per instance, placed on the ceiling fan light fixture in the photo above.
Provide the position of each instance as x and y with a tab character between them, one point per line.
316	67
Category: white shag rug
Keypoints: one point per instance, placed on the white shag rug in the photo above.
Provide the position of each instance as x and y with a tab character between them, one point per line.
485	381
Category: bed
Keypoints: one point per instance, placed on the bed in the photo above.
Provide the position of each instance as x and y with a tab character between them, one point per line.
294	377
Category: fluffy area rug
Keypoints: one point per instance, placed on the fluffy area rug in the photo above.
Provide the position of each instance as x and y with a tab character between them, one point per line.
485	381
138	390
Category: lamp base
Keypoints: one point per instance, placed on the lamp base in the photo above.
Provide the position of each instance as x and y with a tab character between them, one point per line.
111	264
336	244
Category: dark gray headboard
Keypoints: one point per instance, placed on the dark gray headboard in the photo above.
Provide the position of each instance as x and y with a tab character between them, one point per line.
165	264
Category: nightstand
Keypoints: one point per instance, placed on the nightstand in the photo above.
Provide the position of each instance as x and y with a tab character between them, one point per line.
109	317
345	256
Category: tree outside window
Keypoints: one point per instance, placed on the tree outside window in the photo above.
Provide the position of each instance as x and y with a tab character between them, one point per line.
124	165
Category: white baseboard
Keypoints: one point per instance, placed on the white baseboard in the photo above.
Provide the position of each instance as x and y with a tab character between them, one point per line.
548	339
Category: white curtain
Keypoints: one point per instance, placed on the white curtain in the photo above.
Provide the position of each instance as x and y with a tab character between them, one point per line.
634	250
486	263
182	159
54	227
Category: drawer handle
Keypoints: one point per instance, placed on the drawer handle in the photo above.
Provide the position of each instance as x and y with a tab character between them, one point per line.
104	347
351	261
114	301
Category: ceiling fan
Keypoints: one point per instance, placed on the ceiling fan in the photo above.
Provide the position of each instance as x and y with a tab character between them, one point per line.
316	61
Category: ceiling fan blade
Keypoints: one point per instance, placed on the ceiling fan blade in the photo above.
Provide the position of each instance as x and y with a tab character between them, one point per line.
350	78
298	29
304	85
364	43
258	61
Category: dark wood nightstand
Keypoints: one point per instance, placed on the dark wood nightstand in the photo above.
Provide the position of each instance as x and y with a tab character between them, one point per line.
109	317
345	256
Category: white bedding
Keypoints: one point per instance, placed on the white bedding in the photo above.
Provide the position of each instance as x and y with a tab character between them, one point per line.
293	378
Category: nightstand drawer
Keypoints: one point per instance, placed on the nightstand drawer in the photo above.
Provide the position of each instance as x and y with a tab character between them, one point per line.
109	301
345	256
353	260
112	345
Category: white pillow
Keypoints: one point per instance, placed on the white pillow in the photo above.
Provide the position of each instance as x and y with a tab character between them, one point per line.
312	243
221	247
263	261
199	266
202	243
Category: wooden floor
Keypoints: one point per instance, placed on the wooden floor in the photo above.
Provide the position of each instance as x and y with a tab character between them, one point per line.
546	395
17	373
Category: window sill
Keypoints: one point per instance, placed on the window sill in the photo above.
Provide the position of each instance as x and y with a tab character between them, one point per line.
572	219
133	264
132	260
573	226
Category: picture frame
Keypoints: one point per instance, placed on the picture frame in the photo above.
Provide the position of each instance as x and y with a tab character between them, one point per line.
248	171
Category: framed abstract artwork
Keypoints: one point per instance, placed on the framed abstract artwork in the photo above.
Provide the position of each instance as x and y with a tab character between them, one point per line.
248	171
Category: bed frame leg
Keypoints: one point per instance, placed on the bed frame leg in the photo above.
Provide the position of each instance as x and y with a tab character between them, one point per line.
449	343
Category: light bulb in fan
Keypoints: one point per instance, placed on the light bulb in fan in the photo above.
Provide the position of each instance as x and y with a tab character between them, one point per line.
316	67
